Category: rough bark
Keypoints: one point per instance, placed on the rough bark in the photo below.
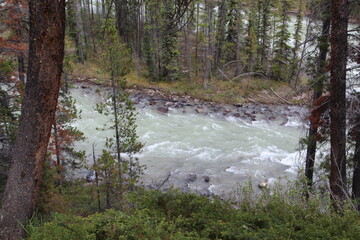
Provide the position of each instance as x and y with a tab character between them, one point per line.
339	21
46	51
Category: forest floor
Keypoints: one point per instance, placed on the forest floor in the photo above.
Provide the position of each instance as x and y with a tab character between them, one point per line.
245	90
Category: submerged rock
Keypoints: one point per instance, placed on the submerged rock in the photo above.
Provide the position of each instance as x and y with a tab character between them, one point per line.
206	178
190	177
264	184
90	176
163	109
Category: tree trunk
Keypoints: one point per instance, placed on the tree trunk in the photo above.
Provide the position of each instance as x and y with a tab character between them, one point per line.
46	52
209	46
220	33
339	17
57	154
197	40
356	176
311	148
318	90
103	8
188	47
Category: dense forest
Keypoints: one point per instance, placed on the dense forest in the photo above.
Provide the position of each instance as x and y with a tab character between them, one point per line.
232	48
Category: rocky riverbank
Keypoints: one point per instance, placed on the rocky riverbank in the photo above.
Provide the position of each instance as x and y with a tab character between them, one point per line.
248	112
280	114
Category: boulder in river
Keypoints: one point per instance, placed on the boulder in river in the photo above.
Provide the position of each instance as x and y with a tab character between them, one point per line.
168	104
199	110
190	177
238	104
90	176
163	109
206	178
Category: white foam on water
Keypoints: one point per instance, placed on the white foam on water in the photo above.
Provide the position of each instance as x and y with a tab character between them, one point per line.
229	150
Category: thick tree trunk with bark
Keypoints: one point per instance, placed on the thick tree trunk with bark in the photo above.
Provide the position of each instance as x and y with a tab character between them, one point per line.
46	51
339	21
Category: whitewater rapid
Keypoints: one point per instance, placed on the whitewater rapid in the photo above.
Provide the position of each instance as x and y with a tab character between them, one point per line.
228	150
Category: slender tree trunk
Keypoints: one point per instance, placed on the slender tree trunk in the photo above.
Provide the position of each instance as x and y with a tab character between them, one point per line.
339	20
91	25
46	52
107	189
311	148
117	130
209	52
21	68
197	40
318	90
103	8
220	33
57	153
85	28
188	47
96	180
356	175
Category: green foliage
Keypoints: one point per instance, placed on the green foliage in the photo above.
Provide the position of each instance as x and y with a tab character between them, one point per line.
170	68
173	215
251	43
6	69
48	193
281	61
9	101
160	42
119	173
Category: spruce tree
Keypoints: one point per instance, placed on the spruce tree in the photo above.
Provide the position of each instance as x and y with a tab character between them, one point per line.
280	63
123	116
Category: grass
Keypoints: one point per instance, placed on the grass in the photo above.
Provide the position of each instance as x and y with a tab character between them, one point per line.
219	91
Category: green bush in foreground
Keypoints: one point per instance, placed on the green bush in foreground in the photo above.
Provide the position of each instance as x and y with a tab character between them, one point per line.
174	215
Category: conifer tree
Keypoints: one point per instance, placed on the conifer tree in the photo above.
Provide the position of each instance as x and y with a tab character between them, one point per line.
122	112
280	63
170	52
234	42
220	32
297	41
251	41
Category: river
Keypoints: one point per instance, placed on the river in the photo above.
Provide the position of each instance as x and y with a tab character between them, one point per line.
189	145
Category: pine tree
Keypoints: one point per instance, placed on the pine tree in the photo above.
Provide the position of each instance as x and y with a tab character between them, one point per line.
295	65
123	117
170	52
251	41
234	41
280	63
264	35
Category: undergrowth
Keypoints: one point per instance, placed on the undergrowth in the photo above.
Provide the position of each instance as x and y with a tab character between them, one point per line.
279	214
